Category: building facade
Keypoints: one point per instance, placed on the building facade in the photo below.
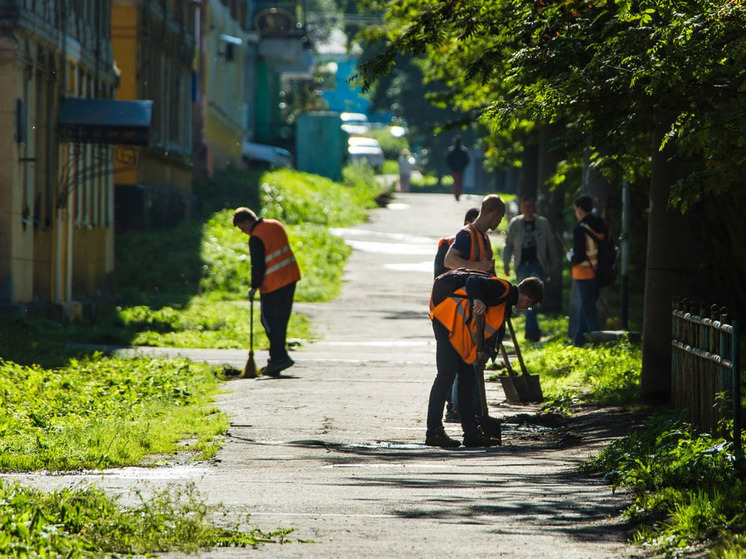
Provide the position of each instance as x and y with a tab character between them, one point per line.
56	193
225	69
154	49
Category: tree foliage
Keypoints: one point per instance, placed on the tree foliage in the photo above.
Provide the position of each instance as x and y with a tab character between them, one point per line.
608	70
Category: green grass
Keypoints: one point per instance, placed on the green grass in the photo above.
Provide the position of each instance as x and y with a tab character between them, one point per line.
687	490
605	375
100	412
85	523
67	409
194	293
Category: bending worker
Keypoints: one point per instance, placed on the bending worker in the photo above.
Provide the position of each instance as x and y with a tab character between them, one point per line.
454	311
274	272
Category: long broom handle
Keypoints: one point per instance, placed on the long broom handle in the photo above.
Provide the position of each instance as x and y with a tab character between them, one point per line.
251	325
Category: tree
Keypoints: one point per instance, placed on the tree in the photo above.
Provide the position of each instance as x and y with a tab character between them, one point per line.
633	81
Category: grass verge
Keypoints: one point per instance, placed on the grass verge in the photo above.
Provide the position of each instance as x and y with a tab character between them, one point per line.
86	523
689	496
100	412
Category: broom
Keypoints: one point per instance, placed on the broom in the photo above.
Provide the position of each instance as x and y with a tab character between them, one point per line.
250	369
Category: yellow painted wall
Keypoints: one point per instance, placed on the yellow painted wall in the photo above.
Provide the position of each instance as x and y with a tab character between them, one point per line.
124	43
155	166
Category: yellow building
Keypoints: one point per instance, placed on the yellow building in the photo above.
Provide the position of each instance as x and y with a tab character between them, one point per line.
56	190
154	50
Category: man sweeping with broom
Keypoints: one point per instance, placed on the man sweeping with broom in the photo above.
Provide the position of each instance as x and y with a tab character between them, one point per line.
274	272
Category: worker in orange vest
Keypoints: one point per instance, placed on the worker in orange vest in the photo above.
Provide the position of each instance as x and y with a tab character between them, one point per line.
274	272
458	298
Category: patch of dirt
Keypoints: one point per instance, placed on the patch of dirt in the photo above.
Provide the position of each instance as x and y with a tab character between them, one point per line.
584	426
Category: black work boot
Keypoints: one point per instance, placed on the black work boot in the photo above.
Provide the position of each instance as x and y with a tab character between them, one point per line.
492	427
441	439
479	439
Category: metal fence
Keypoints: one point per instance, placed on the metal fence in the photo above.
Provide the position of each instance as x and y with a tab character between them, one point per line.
705	367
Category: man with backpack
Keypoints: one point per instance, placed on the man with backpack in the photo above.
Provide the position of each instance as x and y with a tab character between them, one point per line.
459	298
587	235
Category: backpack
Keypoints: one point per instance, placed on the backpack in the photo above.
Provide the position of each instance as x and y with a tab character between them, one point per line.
439	266
445	284
606	259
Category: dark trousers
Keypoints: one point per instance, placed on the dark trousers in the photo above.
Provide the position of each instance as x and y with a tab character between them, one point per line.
276	307
531	270
458	183
450	364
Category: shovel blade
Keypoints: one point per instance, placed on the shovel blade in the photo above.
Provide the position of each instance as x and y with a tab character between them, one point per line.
521	389
510	387
533	391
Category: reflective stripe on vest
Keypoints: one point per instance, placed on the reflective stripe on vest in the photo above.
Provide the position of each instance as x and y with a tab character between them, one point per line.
480	250
455	314
281	269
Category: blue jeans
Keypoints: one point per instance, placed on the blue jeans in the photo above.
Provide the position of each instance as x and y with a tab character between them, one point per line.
531	270
449	365
587	315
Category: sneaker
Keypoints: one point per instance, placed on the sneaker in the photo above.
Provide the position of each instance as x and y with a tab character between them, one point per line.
478	440
274	368
441	439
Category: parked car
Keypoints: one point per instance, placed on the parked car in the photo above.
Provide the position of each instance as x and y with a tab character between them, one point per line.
355	123
264	156
361	148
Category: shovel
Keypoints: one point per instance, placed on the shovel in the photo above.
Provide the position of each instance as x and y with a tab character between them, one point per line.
490	425
519	388
250	369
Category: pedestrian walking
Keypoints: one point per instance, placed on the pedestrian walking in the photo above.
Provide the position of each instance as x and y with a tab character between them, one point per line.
454	318
530	245
584	258
274	272
406	166
457	159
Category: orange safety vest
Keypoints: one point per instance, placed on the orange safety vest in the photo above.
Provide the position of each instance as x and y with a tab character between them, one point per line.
587	268
480	250
455	314
281	269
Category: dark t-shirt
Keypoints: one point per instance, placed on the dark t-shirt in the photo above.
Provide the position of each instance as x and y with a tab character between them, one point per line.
528	250
462	243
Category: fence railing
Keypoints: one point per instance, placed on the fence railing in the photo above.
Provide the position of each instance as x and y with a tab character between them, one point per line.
705	366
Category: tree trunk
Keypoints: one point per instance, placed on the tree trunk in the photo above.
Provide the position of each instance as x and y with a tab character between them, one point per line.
725	234
671	270
551	204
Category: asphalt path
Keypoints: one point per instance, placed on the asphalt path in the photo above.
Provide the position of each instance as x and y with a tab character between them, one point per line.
335	448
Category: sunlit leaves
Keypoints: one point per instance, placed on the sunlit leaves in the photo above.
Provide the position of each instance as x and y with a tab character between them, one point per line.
605	67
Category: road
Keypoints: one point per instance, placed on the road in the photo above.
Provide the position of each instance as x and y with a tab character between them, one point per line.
335	449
